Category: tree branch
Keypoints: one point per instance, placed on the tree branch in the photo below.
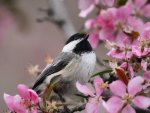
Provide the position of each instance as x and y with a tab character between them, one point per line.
61	13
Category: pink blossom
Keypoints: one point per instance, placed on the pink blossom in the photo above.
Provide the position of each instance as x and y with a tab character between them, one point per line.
90	24
144	65
86	6
135	24
95	100
121	50
145	32
119	53
142	8
131	71
124	65
93	105
147	75
140	52
107	2
14	103
124	12
112	17
129	68
112	21
28	99
125	96
116	23
106	34
106	18
116	53
94	40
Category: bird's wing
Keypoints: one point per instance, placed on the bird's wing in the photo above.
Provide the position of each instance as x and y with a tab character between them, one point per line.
58	64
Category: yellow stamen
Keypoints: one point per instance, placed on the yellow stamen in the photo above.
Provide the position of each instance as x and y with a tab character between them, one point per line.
127	99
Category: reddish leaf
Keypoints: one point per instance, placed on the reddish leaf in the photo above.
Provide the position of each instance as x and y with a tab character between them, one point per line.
133	35
47	92
121	74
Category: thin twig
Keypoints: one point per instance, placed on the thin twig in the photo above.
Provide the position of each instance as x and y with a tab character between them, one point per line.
138	110
72	110
79	108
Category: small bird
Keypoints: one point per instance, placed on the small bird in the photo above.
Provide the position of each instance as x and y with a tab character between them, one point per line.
75	63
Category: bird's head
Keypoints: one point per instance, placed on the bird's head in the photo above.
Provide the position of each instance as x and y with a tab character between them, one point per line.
78	43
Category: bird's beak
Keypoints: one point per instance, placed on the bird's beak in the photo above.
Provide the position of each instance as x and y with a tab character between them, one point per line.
87	36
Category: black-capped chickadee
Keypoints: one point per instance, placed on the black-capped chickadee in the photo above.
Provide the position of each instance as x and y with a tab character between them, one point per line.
76	62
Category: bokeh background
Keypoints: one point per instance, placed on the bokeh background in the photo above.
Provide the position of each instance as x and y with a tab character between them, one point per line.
25	39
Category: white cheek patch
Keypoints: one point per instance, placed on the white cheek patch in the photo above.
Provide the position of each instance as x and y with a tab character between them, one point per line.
70	46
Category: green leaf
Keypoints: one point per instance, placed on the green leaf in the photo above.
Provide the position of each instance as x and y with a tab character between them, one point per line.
102	72
55	80
80	95
121	2
105	60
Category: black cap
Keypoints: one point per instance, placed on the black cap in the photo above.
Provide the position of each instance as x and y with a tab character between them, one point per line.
76	37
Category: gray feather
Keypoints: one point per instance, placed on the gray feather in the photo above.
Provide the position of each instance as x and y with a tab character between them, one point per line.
58	64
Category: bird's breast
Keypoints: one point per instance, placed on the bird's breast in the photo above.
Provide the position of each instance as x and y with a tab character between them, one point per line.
86	67
80	69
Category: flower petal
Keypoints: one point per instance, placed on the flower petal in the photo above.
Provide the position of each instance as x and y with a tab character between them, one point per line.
131	72
118	88
113	105
124	65
107	2
124	12
146	51
84	89
136	51
96	1
23	91
97	83
140	3
135	85
84	4
146	10
141	101
93	106
136	24
84	13
146	32
34	110
147	75
113	53
19	107
144	65
128	109
33	96
94	40
106	34
89	24
106	19
9	101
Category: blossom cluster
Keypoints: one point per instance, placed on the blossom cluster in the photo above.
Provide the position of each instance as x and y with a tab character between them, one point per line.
123	97
27	100
125	30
